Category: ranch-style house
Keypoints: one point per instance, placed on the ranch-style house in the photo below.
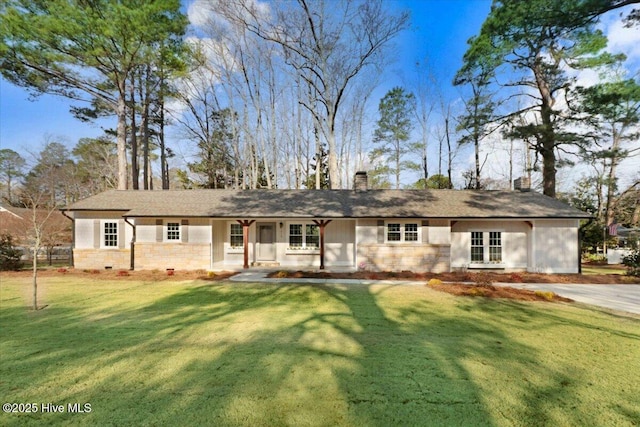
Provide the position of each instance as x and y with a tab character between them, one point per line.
378	230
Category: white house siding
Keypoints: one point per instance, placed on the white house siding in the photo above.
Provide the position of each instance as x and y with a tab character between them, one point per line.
84	233
430	254
515	243
438	232
85	228
536	245
340	243
87	252
555	246
193	252
366	231
145	230
199	230
218	233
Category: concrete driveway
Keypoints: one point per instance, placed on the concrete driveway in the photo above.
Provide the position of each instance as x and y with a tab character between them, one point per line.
616	297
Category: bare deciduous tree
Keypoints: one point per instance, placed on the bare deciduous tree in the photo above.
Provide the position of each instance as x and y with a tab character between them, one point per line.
328	43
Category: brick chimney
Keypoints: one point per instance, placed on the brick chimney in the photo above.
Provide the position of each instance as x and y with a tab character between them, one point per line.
360	182
522	184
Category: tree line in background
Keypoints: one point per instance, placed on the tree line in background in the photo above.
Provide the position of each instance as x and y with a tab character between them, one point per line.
276	96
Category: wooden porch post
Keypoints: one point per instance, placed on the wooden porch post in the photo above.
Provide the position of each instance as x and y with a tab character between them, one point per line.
322	224
245	239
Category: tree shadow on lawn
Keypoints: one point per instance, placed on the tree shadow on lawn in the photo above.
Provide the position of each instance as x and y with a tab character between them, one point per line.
563	395
288	355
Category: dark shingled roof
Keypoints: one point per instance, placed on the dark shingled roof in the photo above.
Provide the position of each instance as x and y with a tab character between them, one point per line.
454	204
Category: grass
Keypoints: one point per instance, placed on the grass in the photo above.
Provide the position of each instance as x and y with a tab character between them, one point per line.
603	269
228	354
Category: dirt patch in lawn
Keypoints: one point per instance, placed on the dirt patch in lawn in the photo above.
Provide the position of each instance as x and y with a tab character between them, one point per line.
491	291
144	275
474	277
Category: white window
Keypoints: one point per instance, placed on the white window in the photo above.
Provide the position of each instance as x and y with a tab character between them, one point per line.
110	234
394	233
173	232
495	247
403	232
486	247
236	237
411	232
306	236
477	247
311	236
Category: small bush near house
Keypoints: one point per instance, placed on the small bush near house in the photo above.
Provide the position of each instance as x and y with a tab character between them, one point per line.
9	254
478	291
281	274
434	282
632	262
548	295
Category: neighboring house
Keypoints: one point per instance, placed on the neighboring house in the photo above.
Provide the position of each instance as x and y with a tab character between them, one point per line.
55	228
418	230
12	222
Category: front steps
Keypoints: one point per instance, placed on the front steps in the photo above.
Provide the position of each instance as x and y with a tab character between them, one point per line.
265	264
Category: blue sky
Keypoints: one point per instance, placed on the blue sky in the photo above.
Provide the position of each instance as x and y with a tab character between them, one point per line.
440	29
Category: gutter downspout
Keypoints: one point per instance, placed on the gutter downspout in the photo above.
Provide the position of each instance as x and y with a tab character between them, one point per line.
132	261
73	235
580	234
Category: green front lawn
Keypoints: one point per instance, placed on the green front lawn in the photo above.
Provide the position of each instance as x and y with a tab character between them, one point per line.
603	269
227	354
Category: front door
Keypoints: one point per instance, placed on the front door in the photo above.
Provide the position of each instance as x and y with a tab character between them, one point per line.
266	242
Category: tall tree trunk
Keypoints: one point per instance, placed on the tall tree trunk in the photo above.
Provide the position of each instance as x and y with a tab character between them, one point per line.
547	134
449	155
145	132
397	159
35	277
548	167
611	179
511	164
318	159
164	166
121	137
477	160
36	246
440	141
425	164
334	171
135	171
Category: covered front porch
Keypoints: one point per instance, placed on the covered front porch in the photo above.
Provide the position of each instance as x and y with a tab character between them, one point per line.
290	243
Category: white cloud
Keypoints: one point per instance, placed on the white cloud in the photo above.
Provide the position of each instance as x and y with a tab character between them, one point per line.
202	13
622	39
199	13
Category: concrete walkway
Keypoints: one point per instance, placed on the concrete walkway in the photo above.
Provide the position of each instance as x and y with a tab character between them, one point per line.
615	297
